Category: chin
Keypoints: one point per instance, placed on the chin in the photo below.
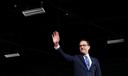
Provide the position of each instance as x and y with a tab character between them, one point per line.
82	52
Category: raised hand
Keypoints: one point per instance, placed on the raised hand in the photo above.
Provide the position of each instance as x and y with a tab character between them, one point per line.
55	38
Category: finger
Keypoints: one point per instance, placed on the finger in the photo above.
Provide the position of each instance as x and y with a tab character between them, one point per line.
56	33
52	36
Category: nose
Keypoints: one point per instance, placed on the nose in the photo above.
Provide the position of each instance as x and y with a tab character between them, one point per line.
82	47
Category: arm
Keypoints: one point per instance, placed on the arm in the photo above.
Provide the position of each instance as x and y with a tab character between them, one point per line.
98	70
56	39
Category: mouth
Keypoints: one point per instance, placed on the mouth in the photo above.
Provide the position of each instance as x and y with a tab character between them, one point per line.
82	50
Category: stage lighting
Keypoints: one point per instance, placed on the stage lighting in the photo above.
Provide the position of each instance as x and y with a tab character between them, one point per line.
34	11
115	41
11	55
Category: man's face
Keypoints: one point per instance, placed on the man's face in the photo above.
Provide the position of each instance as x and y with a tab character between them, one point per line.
84	47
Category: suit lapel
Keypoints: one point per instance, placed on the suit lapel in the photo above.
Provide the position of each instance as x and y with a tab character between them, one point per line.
93	63
83	62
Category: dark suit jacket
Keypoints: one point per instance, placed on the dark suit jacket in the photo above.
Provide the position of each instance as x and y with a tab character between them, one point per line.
80	68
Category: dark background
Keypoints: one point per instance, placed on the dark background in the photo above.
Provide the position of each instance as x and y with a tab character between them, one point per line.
31	36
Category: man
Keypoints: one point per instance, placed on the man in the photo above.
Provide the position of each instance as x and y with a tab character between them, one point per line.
84	64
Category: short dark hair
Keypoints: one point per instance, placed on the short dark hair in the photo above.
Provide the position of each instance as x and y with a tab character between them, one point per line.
85	40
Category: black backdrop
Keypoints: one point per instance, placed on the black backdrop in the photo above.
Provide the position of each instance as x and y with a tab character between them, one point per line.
31	37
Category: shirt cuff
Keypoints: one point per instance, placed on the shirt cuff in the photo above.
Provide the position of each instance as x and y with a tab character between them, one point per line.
57	47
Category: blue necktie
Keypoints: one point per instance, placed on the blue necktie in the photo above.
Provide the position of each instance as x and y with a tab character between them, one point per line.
87	62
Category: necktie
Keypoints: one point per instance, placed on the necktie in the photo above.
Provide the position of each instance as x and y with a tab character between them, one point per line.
87	62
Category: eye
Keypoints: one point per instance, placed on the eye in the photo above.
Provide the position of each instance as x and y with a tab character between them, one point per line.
82	45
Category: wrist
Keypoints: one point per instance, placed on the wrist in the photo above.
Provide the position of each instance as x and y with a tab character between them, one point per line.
57	46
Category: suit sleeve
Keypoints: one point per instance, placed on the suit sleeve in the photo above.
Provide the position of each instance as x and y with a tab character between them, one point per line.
66	56
98	69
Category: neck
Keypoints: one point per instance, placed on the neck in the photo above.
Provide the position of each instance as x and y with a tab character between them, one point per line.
85	53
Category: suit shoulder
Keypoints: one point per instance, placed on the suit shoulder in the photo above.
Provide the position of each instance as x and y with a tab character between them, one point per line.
95	59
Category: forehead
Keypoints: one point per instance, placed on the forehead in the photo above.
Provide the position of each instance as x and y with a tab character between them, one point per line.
83	42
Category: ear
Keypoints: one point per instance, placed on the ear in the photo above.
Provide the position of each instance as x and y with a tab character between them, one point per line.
88	47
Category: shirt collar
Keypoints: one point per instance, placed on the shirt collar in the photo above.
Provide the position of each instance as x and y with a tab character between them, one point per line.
86	55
